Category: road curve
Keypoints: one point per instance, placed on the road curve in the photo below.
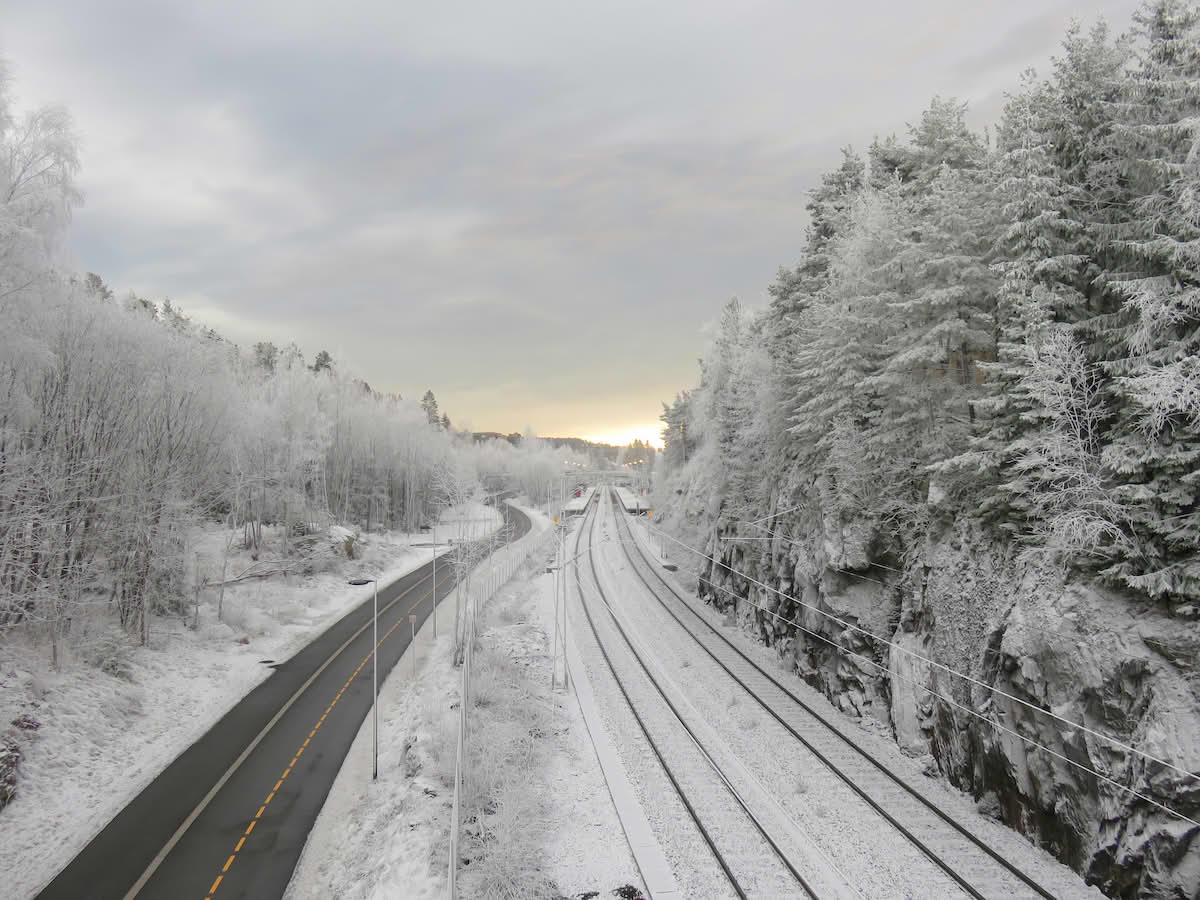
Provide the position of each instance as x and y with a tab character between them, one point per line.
264	769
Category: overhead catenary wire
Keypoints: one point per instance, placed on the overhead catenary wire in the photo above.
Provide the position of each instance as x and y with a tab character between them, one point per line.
834	568
778	535
932	663
643	653
692	812
788	540
778	512
791	541
997	725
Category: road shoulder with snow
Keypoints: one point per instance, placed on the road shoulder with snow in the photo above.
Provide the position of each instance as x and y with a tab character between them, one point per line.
390	838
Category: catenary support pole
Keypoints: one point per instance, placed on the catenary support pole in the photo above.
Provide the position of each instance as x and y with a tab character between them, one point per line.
375	690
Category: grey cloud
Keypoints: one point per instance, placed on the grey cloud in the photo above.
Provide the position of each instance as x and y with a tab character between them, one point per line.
1018	45
1035	39
422	190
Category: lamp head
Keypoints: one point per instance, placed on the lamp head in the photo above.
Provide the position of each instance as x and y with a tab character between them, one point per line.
359	582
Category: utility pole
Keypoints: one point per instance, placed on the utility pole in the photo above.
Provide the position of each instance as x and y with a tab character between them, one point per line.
554	642
562	544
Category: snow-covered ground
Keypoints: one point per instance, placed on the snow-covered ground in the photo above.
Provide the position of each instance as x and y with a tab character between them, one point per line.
587	849
697	874
103	738
390	839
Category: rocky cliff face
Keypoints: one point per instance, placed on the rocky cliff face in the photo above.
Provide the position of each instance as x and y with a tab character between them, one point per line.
1118	665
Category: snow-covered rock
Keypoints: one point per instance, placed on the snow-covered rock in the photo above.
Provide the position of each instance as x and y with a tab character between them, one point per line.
344	542
1119	666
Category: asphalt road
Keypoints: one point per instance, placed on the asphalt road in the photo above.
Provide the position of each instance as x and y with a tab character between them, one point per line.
284	742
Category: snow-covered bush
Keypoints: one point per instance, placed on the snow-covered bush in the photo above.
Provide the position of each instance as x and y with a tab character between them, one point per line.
111	653
10	759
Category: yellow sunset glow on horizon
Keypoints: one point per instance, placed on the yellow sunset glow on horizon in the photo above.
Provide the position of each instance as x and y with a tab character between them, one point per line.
650	434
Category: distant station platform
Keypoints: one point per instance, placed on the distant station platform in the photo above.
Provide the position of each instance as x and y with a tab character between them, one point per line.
632	502
576	506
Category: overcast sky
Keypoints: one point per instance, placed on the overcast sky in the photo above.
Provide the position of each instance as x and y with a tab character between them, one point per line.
530	207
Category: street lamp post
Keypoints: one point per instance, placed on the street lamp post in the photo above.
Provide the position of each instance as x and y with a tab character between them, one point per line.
358	582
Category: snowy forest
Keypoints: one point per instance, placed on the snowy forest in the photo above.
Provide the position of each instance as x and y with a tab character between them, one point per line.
972	407
124	424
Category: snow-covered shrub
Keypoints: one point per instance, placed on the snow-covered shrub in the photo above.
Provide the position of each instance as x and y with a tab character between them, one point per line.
111	654
509	846
504	824
10	758
440	745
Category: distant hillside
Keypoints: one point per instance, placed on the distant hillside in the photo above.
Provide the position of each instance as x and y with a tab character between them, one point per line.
480	436
579	445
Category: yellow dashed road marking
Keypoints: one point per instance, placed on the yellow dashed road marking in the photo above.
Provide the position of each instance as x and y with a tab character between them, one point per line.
258	815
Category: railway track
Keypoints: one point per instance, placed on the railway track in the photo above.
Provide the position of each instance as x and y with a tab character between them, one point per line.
749	855
966	857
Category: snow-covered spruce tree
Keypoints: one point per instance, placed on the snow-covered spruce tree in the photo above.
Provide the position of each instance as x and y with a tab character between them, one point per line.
1041	250
828	210
840	348
676	419
1058	467
935	306
1153	451
945	323
795	288
750	401
941	140
714	410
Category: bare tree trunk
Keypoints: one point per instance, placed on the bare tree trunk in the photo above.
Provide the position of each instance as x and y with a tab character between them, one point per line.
224	570
196	594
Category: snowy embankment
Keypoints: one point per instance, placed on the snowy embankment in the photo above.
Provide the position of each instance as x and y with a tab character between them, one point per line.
105	733
554	824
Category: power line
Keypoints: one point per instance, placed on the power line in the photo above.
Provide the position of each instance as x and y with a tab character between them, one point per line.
777	535
778	512
969	711
798	544
934	664
794	542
